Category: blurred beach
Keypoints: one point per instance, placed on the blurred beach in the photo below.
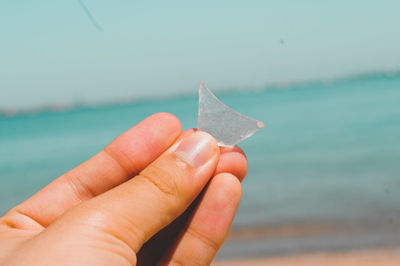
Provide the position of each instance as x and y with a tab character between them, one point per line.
389	257
323	174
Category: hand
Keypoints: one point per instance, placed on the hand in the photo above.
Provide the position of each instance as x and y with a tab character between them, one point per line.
154	195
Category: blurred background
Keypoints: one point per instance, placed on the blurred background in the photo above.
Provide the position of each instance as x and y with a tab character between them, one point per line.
324	76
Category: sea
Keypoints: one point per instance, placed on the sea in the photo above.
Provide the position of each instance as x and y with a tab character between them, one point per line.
324	173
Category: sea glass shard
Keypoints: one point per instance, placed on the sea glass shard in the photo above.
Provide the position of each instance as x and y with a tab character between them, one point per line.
226	125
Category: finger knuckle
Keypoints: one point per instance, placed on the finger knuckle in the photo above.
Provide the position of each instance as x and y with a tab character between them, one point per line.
204	238
163	180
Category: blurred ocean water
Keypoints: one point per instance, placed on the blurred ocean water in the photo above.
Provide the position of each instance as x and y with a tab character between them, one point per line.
329	152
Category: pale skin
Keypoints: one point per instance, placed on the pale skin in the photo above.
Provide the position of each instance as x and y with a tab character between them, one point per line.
153	196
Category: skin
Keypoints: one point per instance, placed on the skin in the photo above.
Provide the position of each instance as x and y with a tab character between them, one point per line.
154	196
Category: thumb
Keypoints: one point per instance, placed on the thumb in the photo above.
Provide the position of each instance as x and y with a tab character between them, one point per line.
137	209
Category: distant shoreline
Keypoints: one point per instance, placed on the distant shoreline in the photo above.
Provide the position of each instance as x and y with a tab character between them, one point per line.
61	106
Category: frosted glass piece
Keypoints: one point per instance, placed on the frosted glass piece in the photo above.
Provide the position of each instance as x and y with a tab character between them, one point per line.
226	125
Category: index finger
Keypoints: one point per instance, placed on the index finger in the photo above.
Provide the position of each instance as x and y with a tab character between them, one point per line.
122	159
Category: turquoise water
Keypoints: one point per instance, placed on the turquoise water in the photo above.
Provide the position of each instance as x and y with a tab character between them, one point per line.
329	152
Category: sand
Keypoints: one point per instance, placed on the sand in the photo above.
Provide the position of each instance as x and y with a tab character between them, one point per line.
387	257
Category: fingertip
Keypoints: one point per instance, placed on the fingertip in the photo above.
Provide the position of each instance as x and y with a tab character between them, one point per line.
233	149
229	185
143	143
218	206
207	135
167	119
203	140
199	149
186	133
233	160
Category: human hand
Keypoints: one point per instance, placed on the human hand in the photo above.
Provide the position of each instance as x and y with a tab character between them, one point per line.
137	202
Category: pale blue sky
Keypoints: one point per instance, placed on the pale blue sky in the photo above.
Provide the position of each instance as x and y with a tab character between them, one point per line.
51	53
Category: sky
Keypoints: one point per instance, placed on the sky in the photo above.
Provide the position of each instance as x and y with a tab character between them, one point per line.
51	52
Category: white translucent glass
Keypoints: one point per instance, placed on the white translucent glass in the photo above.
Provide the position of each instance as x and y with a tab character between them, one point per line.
226	125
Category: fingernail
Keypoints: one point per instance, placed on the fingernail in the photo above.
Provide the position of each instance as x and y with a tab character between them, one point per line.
197	148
